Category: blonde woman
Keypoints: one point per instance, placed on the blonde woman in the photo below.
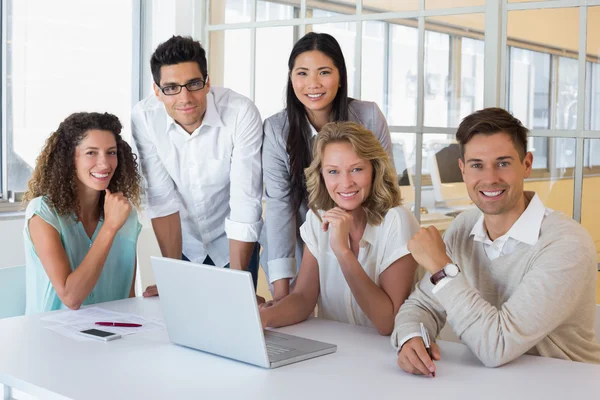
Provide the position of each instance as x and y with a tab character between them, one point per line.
356	264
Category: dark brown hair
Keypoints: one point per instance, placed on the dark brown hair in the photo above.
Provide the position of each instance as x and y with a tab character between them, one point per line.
54	175
488	122
176	50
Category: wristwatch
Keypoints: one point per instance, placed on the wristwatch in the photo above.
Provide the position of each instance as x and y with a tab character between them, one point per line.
449	270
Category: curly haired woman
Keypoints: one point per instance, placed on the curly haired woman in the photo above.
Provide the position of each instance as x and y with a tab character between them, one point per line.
356	262
81	230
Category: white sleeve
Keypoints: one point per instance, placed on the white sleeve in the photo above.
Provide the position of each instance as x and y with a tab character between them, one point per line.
399	227
160	190
245	221
309	232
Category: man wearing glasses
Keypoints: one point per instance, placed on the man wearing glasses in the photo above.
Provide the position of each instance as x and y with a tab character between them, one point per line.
199	149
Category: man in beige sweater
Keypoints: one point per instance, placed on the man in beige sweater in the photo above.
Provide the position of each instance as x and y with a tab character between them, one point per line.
510	278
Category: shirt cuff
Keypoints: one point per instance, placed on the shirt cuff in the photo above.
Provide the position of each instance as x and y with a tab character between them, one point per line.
242	231
281	268
441	283
406	339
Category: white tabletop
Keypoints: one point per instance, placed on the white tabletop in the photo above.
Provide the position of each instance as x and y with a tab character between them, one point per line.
147	366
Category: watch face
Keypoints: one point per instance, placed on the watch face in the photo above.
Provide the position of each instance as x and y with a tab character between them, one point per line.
451	270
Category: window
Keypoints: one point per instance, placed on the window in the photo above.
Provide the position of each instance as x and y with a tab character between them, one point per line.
437	78
543	92
345	34
471	76
542	69
454	68
63	57
401	108
529	97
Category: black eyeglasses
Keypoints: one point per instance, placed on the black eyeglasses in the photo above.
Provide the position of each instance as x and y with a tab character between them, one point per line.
197	84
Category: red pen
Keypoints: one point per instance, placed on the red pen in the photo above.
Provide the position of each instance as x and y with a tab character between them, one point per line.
122	324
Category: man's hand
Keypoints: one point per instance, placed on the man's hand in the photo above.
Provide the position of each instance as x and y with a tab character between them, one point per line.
263	310
429	250
150	291
413	357
266	304
260	300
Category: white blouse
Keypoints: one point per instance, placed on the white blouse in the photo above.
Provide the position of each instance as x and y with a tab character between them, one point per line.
379	247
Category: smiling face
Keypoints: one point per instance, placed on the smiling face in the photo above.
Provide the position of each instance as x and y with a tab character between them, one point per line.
347	177
187	108
316	81
96	159
494	173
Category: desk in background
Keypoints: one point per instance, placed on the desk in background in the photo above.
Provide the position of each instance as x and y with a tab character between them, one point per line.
147	366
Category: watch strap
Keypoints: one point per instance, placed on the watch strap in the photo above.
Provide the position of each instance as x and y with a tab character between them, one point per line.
438	276
441	274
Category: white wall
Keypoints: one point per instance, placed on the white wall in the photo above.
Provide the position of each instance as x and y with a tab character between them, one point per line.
147	246
11	242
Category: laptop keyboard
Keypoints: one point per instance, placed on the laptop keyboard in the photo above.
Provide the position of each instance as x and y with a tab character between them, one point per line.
275	350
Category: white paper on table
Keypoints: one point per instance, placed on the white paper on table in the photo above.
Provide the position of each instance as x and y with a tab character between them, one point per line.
84	315
74	329
71	323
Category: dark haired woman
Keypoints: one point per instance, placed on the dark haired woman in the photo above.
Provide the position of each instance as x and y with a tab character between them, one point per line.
80	229
317	93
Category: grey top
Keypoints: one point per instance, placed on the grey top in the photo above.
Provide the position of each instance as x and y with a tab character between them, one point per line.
539	299
281	232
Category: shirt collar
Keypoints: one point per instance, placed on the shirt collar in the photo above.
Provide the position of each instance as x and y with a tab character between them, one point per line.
526	229
369	235
312	128
478	232
211	115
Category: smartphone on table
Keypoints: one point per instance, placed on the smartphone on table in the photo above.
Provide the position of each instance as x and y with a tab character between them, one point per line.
100	334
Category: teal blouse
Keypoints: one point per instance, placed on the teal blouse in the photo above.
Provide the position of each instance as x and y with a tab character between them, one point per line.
117	274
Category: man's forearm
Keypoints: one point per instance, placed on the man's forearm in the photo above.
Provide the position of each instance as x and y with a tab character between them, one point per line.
281	288
168	234
240	253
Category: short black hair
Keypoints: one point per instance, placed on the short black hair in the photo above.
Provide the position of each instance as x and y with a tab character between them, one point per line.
176	50
488	122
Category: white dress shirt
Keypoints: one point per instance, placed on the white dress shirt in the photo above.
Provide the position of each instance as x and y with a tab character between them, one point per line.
213	176
379	248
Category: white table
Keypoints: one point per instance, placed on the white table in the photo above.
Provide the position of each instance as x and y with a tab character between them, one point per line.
147	366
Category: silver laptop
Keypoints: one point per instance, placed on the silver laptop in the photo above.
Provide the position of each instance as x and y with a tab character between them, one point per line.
214	310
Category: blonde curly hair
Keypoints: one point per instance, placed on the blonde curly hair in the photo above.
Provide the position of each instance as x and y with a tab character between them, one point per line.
54	175
385	192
